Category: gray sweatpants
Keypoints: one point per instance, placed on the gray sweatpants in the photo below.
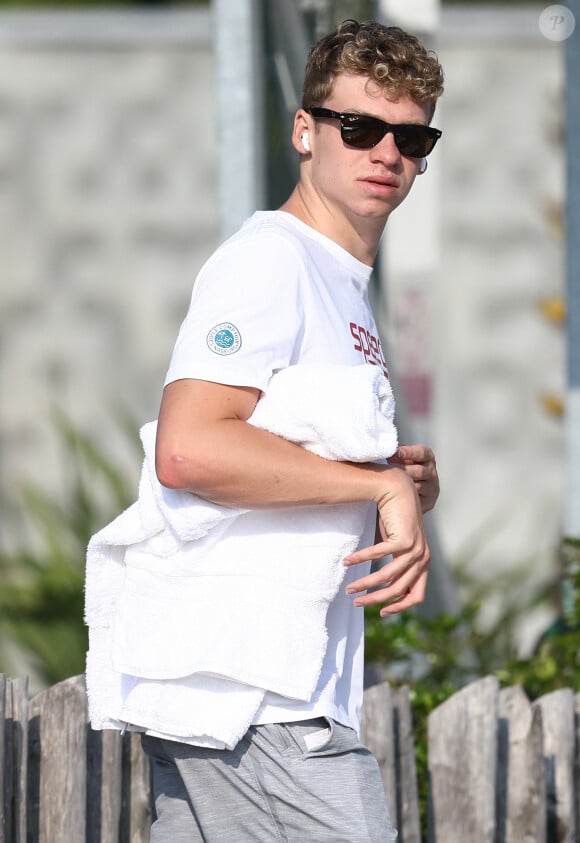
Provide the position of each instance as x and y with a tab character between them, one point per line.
305	782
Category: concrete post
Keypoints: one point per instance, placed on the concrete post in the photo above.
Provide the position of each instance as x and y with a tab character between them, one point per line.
240	111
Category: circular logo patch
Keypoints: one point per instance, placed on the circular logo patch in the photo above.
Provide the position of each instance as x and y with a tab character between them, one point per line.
224	338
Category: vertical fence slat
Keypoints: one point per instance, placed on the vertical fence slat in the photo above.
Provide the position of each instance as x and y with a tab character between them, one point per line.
521	797
462	765
577	763
104	752
409	823
559	740
3	760
59	724
15	743
136	792
378	733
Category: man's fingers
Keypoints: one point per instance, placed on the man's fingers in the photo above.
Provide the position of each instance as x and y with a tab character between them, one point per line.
398	576
398	593
413	598
423	475
402	545
376	551
419	472
407	454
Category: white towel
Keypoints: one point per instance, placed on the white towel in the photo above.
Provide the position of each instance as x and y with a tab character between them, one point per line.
156	574
338	412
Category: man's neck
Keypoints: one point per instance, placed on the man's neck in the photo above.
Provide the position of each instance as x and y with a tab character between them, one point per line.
360	237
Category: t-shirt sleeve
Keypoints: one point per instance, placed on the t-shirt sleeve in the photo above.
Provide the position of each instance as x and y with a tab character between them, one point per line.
245	318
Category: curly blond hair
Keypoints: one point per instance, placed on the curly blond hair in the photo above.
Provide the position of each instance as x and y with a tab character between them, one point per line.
388	55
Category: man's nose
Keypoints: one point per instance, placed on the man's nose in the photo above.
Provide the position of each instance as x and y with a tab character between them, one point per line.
386	149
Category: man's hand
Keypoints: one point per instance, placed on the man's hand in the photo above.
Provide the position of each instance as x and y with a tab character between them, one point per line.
402	582
419	463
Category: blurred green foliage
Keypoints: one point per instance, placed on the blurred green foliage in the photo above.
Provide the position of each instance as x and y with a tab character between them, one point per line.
41	599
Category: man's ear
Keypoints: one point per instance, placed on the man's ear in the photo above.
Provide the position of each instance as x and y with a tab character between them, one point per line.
301	134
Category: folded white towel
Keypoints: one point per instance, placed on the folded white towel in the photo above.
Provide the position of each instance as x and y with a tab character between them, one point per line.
338	412
156	573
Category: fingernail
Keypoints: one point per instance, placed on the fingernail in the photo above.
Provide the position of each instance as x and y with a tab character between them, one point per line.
350	590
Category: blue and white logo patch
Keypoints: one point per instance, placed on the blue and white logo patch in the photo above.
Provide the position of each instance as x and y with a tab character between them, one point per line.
224	338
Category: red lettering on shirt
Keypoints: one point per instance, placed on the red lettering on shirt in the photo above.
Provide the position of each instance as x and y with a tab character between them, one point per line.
369	346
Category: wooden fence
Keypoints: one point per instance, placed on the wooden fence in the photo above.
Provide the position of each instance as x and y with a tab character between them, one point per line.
501	769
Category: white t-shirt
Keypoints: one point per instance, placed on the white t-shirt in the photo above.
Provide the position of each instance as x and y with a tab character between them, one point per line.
276	294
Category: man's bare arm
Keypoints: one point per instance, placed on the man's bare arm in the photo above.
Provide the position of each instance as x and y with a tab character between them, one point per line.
204	445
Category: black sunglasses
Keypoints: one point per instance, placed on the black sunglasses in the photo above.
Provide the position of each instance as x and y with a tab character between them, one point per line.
363	132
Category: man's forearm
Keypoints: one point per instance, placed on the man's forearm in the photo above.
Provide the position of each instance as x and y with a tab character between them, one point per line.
235	464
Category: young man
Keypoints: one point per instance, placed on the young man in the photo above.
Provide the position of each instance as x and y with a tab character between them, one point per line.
291	288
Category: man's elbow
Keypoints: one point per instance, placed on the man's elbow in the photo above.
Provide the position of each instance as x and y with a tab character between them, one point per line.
177	471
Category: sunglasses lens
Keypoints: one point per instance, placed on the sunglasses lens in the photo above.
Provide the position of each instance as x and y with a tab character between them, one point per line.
413	141
362	132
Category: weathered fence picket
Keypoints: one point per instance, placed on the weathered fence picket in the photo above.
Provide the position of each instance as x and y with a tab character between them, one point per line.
521	804
577	762
104	784
136	803
408	818
559	754
3	683
501	769
15	761
387	731
57	753
463	764
378	732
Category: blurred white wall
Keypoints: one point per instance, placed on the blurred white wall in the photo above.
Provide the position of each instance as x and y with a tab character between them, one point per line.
107	210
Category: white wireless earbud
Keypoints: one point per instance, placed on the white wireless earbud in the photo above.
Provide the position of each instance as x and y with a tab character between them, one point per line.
305	142
423	166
